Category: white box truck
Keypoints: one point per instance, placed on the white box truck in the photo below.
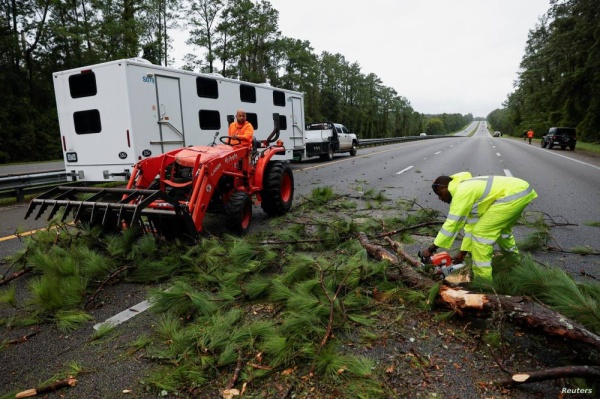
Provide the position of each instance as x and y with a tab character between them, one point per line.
113	114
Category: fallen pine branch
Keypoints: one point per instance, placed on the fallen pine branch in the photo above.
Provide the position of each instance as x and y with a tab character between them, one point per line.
108	278
15	275
55	386
520	310
552	374
416	226
22	339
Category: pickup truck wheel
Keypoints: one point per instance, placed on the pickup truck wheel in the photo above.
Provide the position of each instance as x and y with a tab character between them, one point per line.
550	145
329	155
278	188
544	144
238	212
572	147
353	149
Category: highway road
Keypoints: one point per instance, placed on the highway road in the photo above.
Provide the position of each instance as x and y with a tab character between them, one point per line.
567	182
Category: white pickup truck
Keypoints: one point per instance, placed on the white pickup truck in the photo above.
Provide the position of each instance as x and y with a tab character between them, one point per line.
324	139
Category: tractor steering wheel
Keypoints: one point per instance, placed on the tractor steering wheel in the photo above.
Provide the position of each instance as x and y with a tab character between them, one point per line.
230	140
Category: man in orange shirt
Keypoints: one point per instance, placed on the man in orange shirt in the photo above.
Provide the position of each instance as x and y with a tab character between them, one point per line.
241	129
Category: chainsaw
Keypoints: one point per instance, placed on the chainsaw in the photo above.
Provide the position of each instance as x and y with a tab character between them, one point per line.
439	264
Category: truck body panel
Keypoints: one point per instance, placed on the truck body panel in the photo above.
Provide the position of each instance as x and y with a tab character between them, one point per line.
112	115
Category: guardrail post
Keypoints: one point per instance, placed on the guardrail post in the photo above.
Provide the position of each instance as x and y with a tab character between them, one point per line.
20	194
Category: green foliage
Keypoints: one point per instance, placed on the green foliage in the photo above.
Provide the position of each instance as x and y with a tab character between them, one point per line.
143	341
551	285
183	300
559	78
104	329
492	338
535	241
8	295
67	320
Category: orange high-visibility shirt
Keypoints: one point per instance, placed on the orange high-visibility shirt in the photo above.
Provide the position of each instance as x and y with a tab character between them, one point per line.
243	132
530	134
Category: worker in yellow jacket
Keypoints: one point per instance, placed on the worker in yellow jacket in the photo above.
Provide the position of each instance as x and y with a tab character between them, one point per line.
487	207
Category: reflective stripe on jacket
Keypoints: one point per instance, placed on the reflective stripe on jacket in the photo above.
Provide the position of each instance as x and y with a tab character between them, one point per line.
472	197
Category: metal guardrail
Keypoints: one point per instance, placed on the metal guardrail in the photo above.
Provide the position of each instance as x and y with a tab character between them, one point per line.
391	140
19	185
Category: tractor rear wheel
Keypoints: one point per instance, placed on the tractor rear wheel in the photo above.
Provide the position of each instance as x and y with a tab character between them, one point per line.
278	188
238	212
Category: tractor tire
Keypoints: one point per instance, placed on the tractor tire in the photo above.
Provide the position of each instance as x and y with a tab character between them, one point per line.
278	188
238	212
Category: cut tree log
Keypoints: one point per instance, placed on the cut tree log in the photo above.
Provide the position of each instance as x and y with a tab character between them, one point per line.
519	310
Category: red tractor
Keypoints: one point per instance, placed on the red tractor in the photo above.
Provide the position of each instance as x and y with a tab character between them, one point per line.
170	194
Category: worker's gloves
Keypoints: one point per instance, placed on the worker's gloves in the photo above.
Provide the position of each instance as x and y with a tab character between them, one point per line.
428	252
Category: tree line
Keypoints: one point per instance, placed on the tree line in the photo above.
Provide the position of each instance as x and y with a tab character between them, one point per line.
237	38
559	79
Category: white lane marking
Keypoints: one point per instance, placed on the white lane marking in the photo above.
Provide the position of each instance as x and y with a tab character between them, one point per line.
439	152
507	173
404	170
124	315
498	154
569	158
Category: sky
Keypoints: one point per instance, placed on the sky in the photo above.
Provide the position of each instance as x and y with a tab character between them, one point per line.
443	56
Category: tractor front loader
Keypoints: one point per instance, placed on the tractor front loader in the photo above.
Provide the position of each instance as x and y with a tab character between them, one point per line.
170	194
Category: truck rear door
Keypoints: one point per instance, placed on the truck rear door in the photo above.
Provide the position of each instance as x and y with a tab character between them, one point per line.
170	118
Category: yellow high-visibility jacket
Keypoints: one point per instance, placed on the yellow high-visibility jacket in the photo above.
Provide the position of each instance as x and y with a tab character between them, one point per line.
472	197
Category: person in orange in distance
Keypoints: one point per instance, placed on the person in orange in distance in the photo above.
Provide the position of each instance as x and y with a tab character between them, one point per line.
530	135
241	129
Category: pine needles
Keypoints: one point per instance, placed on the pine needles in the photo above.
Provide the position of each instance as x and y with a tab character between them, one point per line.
515	275
282	302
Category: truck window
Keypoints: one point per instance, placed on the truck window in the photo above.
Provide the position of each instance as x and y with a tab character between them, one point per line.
247	94
209	119
83	84
253	119
278	98
338	129
207	88
282	122
87	122
345	130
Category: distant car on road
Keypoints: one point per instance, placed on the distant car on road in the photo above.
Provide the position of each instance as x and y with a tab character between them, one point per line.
497	134
562	136
423	134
